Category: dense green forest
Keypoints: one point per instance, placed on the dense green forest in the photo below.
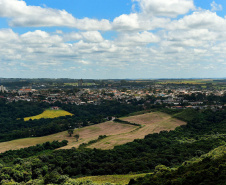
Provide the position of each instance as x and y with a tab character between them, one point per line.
205	130
208	171
13	128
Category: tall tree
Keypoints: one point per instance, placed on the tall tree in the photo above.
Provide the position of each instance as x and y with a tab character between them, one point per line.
70	132
76	137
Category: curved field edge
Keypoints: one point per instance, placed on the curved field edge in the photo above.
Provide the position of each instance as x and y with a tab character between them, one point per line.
118	133
49	114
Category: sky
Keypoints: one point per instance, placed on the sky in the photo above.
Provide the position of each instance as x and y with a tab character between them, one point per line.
112	39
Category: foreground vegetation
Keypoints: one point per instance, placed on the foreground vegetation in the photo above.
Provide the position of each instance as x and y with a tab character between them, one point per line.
11	155
207	170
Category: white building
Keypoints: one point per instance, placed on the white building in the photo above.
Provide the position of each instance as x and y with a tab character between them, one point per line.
2	89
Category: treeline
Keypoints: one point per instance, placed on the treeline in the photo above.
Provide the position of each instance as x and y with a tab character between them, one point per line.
95	113
126	122
165	148
20	109
11	155
83	145
35	128
13	128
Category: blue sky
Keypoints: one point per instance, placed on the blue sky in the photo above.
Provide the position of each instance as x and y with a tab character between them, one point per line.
88	8
112	39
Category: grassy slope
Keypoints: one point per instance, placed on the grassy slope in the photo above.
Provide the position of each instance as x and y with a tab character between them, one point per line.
115	179
213	154
151	123
109	128
86	134
187	115
50	114
117	133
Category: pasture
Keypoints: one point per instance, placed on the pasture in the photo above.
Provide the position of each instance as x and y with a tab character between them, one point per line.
151	123
181	81
115	179
117	133
49	114
85	135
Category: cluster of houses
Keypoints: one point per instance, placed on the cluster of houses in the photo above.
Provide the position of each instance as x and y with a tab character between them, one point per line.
172	97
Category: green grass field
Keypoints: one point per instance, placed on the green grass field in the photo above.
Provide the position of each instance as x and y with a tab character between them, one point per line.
49	114
115	179
191	82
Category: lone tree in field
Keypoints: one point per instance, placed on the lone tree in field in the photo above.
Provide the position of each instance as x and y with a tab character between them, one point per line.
70	132
76	137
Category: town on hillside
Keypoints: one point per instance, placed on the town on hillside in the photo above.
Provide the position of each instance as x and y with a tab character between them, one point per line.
175	94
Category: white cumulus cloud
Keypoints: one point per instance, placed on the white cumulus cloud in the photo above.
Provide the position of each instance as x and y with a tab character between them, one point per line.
22	15
126	22
89	36
168	8
138	38
150	40
203	19
216	7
